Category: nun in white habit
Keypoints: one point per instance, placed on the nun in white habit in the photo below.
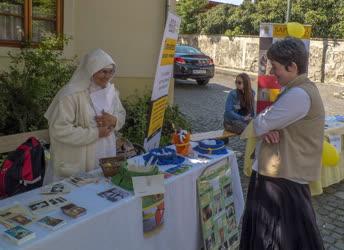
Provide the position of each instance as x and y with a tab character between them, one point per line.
83	117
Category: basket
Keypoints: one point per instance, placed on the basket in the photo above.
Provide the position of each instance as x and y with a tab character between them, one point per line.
128	149
111	165
125	150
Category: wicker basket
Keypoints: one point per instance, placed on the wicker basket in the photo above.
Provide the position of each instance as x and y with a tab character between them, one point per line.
125	150
111	165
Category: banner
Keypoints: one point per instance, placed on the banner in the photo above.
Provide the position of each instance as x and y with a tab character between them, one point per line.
217	210
163	75
268	87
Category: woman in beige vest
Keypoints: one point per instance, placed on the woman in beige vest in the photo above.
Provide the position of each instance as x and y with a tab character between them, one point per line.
279	212
83	117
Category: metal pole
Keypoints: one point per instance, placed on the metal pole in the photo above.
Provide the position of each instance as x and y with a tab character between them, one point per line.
288	10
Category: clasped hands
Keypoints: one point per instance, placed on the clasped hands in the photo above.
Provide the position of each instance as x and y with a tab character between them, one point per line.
105	123
271	137
248	118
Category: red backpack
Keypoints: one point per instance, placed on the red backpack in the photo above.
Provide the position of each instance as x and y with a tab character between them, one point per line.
23	169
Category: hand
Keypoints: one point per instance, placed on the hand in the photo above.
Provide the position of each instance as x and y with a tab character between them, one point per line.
248	118
104	131
271	137
106	120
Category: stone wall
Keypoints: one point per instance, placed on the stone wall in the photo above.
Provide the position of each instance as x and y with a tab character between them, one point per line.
326	62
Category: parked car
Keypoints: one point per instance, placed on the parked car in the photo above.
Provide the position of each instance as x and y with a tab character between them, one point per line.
190	62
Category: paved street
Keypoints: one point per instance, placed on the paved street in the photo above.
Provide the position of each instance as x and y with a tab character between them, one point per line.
204	107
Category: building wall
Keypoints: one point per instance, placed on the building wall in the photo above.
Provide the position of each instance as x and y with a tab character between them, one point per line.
326	62
131	31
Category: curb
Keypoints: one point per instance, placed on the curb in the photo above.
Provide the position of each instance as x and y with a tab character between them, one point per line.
234	72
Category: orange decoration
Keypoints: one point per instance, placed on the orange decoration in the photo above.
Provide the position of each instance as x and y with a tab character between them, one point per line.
181	140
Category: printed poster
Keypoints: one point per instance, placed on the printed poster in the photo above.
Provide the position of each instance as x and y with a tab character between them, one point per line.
153	209
217	211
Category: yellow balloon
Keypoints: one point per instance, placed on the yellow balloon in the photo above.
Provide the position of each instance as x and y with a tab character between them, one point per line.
295	29
330	156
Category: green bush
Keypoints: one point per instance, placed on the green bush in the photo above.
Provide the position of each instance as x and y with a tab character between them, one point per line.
137	108
27	87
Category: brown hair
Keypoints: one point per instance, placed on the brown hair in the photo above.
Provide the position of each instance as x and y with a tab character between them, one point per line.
246	96
290	50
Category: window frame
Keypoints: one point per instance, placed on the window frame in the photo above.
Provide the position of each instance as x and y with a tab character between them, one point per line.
27	24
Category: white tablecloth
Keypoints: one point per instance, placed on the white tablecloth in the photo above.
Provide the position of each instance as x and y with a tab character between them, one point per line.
118	225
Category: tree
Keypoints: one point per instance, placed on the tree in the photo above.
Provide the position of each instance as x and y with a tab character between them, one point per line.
31	81
215	20
325	16
189	10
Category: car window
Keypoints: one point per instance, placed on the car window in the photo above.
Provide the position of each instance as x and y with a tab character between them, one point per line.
187	50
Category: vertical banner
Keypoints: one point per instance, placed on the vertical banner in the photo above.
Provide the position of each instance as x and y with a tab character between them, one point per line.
268	86
217	209
163	75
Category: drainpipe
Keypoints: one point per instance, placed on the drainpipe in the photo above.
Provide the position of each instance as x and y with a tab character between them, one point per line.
167	6
288	11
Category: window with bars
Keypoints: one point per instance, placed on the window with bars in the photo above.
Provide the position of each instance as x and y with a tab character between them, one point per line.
28	20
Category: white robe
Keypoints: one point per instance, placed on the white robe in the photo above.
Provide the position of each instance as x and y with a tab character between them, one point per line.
103	99
74	134
71	117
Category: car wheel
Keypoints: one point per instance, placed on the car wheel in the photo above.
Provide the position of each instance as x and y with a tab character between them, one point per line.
202	81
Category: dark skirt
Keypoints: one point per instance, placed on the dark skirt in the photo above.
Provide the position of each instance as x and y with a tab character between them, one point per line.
279	215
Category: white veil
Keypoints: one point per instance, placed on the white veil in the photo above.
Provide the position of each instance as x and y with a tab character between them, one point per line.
82	77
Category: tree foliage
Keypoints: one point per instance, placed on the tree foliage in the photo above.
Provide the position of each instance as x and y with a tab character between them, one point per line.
27	87
326	17
189	11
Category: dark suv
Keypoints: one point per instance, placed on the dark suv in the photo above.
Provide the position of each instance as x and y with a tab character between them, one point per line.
189	62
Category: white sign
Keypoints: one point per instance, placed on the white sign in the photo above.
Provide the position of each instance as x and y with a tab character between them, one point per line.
234	2
148	185
164	71
336	141
163	75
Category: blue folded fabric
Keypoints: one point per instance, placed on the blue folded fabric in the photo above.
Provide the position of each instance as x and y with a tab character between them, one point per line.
217	149
339	118
163	156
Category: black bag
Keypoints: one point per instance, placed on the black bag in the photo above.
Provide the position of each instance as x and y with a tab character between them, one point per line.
23	169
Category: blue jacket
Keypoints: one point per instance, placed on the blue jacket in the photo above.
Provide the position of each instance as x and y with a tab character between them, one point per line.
233	110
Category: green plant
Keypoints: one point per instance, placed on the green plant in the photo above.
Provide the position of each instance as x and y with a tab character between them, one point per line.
135	126
3	157
137	108
189	10
173	119
29	84
325	16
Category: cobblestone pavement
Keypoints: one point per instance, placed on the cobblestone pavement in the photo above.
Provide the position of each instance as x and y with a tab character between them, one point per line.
204	107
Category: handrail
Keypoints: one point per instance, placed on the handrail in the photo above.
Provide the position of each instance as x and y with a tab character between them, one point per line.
9	143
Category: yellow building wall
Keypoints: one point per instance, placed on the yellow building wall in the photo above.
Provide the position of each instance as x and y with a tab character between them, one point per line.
131	31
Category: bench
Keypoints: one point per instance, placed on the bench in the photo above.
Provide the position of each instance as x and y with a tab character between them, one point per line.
9	143
217	134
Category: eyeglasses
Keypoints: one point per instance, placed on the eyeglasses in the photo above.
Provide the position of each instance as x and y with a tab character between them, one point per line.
106	72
